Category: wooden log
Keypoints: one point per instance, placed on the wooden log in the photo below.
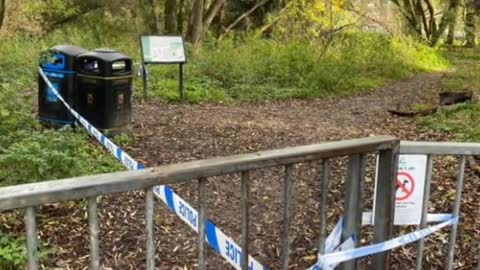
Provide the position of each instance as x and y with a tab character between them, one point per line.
449	98
413	113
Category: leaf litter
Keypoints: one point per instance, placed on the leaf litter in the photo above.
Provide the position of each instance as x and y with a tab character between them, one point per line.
174	133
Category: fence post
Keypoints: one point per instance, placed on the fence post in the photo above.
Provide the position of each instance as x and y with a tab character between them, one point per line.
456	213
149	207
202	201
244	212
323	205
31	228
353	207
94	233
423	221
287	206
385	204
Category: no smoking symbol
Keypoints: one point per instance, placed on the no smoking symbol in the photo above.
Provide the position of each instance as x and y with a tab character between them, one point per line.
405	186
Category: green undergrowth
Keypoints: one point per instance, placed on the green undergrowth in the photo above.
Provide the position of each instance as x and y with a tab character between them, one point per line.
460	120
13	252
256	70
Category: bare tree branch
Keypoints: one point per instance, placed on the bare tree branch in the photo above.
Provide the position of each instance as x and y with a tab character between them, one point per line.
3	8
212	12
241	17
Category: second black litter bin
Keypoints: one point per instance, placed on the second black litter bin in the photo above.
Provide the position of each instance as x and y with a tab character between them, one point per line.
104	89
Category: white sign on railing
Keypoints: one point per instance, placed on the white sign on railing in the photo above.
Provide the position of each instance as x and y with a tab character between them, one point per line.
410	185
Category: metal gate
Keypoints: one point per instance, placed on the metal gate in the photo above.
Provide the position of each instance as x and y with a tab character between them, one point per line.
31	195
387	148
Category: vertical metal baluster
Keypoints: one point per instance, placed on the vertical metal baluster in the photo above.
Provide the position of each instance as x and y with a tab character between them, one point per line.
323	206
353	214
385	204
244	213
31	229
456	213
149	206
287	192
202	199
423	221
94	232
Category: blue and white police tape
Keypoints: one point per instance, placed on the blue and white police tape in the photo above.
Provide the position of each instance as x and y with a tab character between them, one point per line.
219	241
335	252
123	157
328	261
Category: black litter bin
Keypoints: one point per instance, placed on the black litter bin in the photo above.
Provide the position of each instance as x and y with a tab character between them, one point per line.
58	64
104	89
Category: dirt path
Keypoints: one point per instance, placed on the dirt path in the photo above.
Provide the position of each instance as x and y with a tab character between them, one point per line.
168	134
174	133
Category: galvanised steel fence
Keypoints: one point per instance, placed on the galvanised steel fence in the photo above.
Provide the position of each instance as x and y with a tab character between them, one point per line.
29	196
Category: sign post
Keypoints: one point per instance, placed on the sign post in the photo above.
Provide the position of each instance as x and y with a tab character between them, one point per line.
165	50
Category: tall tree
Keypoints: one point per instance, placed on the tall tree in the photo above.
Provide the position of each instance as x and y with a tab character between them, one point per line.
180	15
149	17
448	16
3	8
421	18
171	16
452	24
470	24
195	24
212	12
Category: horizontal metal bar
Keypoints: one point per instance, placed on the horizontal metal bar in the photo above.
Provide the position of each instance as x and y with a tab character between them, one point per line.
91	186
439	148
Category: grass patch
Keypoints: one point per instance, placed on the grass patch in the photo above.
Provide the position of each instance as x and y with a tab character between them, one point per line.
460	120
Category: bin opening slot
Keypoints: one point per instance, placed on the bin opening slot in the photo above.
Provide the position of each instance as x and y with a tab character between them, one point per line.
52	60
90	65
120	67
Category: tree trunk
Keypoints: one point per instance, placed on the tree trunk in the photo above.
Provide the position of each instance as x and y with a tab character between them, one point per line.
241	17
195	25
212	12
449	15
149	16
452	23
470	25
180	15
171	16
3	9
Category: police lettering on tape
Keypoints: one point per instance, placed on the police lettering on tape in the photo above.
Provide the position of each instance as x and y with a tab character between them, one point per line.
335	253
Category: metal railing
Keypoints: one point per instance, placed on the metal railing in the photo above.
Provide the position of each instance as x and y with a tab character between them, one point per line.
31	195
462	150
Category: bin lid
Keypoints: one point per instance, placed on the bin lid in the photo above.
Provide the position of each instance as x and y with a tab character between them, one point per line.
105	54
68	50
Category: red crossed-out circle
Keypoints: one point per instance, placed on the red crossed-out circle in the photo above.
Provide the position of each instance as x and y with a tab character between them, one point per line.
408	191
